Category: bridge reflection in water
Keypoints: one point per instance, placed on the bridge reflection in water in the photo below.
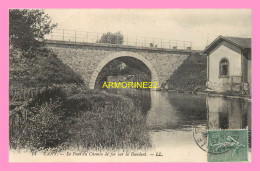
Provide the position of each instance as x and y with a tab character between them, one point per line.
172	116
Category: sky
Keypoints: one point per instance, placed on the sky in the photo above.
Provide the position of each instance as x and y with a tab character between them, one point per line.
200	26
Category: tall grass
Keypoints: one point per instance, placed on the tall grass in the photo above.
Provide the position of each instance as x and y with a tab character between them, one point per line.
36	123
88	120
113	127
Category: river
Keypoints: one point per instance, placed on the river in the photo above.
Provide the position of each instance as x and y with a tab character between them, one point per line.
173	117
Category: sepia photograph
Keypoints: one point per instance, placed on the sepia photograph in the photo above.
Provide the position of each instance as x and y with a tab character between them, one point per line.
130	85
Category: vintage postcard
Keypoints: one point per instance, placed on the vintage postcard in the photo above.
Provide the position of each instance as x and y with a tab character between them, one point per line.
130	85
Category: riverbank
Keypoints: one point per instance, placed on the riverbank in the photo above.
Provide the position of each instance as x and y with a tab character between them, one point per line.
59	119
211	94
171	119
62	113
67	115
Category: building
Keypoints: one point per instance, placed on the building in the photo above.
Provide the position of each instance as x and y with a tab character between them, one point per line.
229	65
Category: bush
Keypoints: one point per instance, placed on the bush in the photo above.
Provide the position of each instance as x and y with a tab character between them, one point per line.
50	94
41	128
37	123
112	38
86	102
89	120
112	127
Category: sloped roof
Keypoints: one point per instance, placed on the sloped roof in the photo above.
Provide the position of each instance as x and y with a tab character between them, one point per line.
242	43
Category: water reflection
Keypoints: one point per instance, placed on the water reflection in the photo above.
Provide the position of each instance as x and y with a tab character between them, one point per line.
169	110
228	113
172	116
175	111
166	110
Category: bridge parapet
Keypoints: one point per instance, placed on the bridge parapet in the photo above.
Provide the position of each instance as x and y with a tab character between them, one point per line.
88	59
128	47
82	37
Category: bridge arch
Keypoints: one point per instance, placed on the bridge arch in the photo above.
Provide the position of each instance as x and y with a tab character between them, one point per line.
113	56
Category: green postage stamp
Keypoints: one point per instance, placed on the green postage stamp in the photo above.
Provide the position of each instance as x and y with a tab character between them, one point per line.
227	145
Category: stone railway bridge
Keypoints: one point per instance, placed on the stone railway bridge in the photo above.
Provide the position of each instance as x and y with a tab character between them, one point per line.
88	59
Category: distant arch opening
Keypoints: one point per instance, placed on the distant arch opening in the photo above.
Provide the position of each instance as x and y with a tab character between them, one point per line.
123	66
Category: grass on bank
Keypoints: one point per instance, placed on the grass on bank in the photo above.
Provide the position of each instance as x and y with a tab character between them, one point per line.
43	69
80	121
66	115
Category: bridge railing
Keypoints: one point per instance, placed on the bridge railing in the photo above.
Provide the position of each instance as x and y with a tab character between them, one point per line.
93	37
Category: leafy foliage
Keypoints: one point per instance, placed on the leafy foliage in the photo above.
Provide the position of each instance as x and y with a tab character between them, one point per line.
27	28
112	38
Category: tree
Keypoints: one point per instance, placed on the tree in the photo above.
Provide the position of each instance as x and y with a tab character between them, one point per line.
27	28
112	38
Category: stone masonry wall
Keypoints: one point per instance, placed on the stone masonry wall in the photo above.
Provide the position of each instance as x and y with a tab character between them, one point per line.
85	59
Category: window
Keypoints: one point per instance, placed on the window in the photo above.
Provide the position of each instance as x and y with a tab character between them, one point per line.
224	68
